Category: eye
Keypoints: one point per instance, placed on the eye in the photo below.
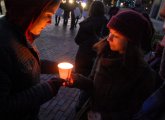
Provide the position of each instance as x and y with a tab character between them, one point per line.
49	13
114	35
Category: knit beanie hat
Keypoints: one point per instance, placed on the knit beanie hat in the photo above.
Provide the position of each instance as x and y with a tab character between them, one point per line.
133	26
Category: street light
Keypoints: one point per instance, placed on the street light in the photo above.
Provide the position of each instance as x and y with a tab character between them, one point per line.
70	1
121	4
63	1
83	4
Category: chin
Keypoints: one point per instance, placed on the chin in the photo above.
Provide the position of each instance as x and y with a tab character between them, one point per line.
112	48
38	32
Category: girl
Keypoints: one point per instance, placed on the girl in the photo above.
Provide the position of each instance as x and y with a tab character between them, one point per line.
120	80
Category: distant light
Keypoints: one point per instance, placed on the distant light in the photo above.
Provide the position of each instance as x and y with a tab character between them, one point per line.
83	4
146	8
121	4
70	1
63	1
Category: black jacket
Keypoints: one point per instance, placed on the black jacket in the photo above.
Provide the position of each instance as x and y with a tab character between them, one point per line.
90	31
20	96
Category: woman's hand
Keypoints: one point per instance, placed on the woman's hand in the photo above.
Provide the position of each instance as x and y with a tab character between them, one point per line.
70	82
55	84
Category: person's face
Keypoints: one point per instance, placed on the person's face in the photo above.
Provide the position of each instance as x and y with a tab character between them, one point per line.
117	41
162	14
44	19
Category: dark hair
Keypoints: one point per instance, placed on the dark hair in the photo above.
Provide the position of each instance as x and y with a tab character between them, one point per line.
146	44
96	9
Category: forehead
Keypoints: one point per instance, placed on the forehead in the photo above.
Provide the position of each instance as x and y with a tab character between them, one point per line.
115	32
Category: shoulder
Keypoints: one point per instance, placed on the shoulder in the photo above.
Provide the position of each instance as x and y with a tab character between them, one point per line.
148	74
100	20
9	38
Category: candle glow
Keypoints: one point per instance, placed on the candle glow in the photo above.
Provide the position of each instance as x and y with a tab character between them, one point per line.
65	70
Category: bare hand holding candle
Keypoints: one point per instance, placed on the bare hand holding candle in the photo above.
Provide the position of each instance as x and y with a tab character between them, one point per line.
65	70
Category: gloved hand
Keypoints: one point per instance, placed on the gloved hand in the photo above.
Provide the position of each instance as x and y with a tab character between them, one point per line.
55	84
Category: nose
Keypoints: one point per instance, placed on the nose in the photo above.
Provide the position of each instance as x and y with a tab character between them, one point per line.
49	19
110	38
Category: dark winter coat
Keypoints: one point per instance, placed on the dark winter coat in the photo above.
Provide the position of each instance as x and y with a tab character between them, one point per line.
19	72
21	94
117	92
91	30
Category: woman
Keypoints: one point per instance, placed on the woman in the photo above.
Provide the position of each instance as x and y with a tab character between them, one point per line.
91	30
121	79
21	94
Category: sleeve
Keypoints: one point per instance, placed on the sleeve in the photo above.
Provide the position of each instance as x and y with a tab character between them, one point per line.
49	67
94	67
83	83
153	106
21	102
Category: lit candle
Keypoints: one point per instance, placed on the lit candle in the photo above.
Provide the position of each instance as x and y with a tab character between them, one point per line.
65	70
